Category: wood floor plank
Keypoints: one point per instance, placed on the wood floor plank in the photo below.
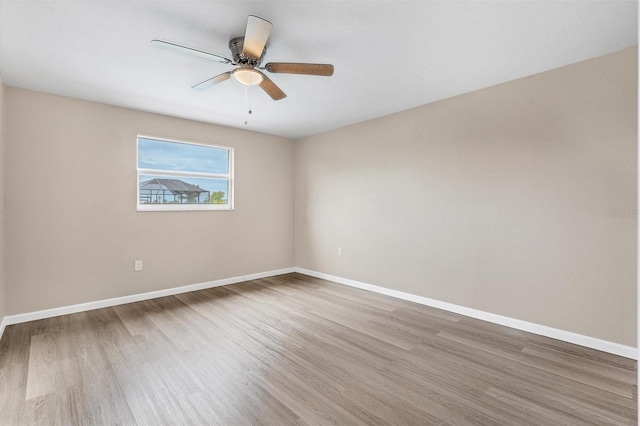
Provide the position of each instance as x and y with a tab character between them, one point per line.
564	395
294	350
13	384
569	359
620	387
19	337
45	360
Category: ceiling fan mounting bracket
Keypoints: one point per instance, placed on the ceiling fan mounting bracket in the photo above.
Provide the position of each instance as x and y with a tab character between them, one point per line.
236	46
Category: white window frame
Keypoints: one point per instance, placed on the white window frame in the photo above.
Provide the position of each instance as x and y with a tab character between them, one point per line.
160	172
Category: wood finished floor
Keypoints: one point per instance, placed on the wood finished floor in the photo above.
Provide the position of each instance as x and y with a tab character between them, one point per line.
298	350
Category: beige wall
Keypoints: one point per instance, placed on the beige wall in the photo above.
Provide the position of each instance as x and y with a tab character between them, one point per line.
3	303
495	200
73	232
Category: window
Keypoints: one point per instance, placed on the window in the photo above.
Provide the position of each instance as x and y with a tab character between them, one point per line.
175	175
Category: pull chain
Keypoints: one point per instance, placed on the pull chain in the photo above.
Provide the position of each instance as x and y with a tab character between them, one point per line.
247	100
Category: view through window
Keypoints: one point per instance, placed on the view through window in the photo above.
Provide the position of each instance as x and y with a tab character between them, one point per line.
174	175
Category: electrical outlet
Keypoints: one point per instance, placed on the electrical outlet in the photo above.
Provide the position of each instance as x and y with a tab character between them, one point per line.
340	251
138	266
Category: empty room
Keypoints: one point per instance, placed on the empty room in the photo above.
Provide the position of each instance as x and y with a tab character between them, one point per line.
318	212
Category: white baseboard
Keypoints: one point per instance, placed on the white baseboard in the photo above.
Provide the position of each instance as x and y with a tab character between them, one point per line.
3	325
567	336
48	313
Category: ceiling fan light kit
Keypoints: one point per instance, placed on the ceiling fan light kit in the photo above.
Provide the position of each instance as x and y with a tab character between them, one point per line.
247	76
246	54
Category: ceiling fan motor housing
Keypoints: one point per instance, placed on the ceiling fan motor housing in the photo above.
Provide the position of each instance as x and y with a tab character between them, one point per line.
236	47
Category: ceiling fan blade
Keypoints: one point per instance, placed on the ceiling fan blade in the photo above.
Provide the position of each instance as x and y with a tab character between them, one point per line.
271	89
255	36
163	44
212	81
297	68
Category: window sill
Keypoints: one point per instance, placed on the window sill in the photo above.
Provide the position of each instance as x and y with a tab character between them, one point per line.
182	208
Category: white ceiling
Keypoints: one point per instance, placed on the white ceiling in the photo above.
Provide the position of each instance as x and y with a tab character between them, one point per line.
388	55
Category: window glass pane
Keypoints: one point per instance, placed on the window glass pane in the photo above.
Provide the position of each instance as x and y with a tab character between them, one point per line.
173	156
182	190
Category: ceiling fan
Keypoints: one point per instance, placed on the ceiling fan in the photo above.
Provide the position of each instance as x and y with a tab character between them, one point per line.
247	53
